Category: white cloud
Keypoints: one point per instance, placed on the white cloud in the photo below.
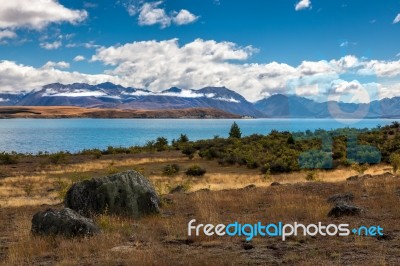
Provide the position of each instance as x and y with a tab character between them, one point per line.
74	93
79	58
349	91
51	45
184	17
37	15
303	4
87	45
396	19
16	77
156	65
7	34
381	68
347	43
150	14
51	64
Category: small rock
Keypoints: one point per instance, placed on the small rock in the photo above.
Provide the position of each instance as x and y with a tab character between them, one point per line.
358	178
65	222
178	189
123	249
166	200
204	190
344	209
341	198
275	184
252	186
385	237
247	246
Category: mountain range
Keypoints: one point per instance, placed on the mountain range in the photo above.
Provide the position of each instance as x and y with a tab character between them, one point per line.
108	95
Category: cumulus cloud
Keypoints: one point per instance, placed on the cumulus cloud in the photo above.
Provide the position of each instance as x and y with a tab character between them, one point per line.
303	4
51	64
157	65
350	91
7	34
16	77
150	13
37	15
184	17
79	58
396	19
51	45
381	68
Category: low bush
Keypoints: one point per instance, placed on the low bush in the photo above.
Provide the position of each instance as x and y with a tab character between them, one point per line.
59	157
171	170
195	170
6	158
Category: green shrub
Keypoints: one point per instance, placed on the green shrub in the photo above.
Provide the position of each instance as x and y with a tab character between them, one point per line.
111	170
171	170
195	170
59	157
395	162
360	168
7	158
161	144
312	176
189	151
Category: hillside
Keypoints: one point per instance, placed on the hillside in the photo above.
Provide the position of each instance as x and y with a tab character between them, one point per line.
78	112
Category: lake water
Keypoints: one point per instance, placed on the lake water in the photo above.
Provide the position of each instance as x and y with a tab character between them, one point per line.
34	135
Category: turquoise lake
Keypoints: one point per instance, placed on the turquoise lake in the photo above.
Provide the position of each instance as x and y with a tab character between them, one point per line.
34	135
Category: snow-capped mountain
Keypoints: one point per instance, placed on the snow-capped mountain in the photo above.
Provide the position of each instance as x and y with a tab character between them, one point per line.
108	95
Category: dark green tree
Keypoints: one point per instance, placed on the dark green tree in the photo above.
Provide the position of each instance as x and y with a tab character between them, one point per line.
161	144
183	138
235	131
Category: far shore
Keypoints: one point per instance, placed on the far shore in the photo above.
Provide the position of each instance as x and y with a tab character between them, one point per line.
54	112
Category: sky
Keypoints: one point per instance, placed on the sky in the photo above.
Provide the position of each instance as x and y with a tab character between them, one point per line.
319	49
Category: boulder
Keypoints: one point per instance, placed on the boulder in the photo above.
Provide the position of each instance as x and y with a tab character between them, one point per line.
127	194
344	209
178	189
275	184
341	198
65	222
357	178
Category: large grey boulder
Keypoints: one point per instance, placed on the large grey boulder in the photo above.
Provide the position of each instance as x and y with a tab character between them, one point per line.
128	194
343	205
65	222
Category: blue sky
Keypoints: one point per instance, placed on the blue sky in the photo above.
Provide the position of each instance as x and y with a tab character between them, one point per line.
314	48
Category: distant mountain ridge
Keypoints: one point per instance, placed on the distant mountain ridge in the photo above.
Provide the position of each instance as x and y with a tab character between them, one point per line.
109	95
291	106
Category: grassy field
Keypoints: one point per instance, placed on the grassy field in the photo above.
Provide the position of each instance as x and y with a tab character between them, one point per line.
222	195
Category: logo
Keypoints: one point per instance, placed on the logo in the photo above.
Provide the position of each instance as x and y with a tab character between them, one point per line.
280	229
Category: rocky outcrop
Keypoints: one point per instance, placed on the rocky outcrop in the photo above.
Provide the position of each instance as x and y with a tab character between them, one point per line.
65	222
127	194
343	205
341	198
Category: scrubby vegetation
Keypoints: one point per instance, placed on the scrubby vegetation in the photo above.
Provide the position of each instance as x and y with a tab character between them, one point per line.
8	158
171	170
277	152
281	152
195	170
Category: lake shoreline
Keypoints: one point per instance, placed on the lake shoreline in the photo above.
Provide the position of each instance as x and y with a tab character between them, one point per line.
69	112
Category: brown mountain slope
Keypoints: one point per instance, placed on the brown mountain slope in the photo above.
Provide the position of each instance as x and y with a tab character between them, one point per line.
78	112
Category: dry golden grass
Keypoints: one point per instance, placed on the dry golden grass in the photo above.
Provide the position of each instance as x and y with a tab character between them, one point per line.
163	240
